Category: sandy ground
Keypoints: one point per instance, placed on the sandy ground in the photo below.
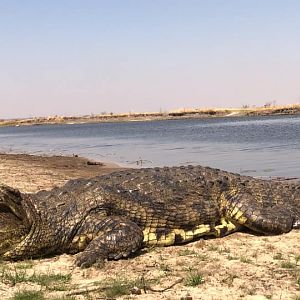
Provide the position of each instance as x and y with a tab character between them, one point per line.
239	266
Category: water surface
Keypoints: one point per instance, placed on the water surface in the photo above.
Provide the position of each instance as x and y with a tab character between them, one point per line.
257	146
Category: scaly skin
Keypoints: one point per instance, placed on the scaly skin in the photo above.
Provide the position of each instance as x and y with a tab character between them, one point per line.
111	216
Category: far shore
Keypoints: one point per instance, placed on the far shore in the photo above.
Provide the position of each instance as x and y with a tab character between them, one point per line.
196	113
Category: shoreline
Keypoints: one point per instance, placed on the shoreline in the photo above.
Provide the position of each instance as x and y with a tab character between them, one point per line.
288	110
31	172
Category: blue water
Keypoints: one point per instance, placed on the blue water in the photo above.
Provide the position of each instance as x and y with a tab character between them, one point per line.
257	146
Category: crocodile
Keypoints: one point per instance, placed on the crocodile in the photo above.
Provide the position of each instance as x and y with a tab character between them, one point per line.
112	216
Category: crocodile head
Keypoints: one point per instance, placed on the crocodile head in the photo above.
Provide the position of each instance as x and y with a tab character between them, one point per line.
13	219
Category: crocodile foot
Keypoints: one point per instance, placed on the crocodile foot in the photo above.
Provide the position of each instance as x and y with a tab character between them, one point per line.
117	239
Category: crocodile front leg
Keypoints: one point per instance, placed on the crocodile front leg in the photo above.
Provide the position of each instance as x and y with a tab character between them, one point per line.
117	238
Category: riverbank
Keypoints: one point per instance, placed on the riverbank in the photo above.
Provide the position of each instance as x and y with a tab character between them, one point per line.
31	173
152	116
239	266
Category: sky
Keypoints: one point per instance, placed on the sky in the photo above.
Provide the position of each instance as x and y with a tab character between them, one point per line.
81	57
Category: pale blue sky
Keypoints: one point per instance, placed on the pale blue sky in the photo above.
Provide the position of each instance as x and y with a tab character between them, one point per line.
79	57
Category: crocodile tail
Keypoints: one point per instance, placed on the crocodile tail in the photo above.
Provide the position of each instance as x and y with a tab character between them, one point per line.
241	208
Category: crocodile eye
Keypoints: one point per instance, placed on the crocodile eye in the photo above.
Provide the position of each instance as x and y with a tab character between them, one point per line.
7	192
5	209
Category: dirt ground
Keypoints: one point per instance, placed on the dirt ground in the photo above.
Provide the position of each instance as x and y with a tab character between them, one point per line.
239	266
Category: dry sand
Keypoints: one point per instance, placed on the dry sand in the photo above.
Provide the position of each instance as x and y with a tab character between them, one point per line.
239	266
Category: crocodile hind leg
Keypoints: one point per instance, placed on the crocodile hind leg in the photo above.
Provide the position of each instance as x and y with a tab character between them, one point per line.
241	208
118	238
226	227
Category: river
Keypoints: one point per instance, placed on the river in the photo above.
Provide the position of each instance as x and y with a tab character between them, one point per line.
256	146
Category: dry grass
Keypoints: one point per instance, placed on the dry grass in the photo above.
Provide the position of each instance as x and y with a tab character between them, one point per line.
142	116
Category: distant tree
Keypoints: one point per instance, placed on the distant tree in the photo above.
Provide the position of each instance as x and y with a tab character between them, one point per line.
268	104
